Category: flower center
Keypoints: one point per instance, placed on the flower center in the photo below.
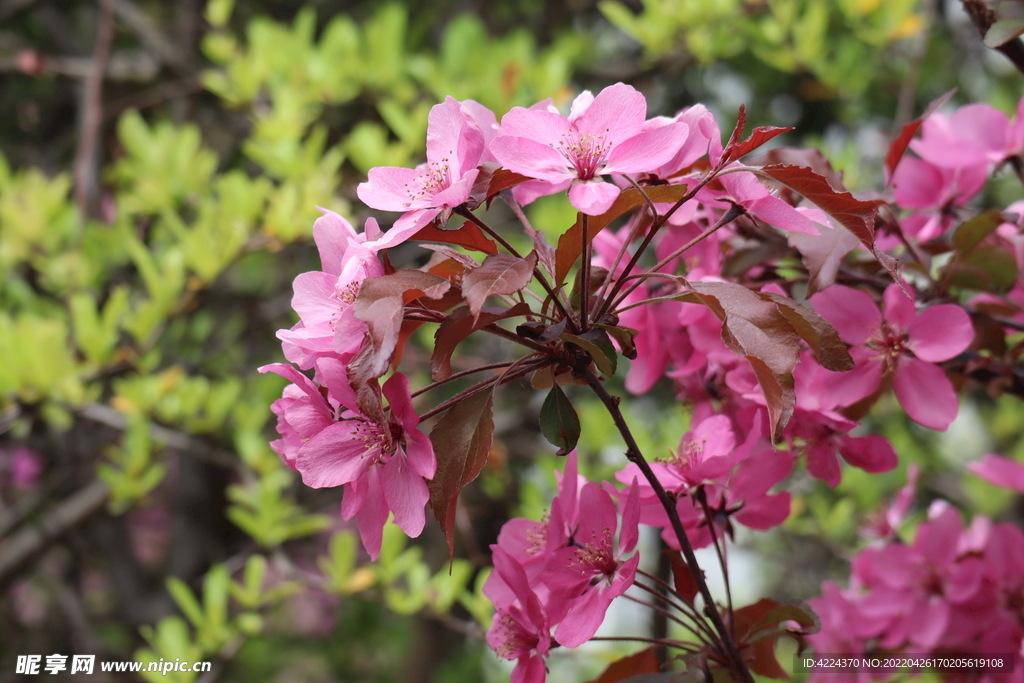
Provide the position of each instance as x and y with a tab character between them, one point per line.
435	178
888	344
515	641
376	444
596	557
585	151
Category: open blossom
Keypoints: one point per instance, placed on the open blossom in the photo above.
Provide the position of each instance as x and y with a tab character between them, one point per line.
903	344
519	629
602	135
378	454
455	147
323	299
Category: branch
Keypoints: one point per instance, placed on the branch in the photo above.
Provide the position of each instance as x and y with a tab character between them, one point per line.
32	539
85	166
635	456
982	16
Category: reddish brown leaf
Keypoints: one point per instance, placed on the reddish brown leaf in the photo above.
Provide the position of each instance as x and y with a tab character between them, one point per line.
758	137
819	334
899	146
502	179
570	244
498	274
756	329
468	236
746	618
855	215
459	325
643	662
802	156
764	662
462	442
686	584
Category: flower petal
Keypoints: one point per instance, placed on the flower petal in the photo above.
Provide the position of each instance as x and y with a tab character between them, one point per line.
940	333
925	393
593	197
1000	471
851	312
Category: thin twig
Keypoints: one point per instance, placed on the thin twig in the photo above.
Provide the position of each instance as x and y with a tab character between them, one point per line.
33	538
85	166
635	456
470	216
734	212
463	373
702	499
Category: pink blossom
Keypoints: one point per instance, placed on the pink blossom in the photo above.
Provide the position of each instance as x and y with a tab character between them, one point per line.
455	147
24	466
378	454
323	299
602	135
934	189
747	191
519	630
903	344
974	134
589	568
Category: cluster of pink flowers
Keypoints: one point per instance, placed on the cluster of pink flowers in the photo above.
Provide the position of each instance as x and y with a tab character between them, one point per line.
337	434
763	374
953	590
553	580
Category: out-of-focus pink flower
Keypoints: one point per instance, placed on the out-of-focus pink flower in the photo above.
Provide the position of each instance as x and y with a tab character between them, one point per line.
602	135
24	466
1000	471
903	344
520	629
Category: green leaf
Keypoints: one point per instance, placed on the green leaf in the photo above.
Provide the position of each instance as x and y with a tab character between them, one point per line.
462	444
187	602
558	420
218	12
971	232
600	350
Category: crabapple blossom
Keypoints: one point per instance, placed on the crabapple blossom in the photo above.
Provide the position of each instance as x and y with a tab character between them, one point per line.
455	147
602	135
902	345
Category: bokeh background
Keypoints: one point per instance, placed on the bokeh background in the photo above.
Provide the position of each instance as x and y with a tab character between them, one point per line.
160	171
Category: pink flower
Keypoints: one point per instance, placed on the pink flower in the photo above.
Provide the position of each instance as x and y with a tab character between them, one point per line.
455	146
24	464
904	344
323	299
378	454
601	135
975	134
934	189
520	629
589	568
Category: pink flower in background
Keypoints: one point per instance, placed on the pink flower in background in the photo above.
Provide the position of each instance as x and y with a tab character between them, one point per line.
903	344
1000	471
933	189
974	134
747	191
455	146
602	135
23	466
